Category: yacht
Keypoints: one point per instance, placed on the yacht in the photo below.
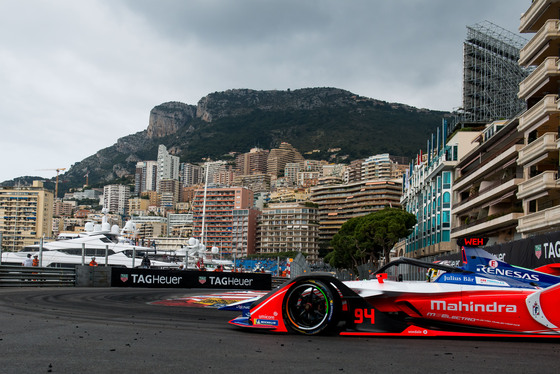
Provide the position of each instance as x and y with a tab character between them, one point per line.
107	244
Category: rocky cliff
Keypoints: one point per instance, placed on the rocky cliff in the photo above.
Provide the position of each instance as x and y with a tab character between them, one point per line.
311	119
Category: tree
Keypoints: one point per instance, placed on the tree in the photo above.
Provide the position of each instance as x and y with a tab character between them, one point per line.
370	237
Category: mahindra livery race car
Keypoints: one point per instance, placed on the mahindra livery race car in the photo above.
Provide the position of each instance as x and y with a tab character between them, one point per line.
485	297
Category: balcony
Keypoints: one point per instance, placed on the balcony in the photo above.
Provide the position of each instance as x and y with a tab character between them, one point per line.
545	219
545	43
543	80
483	170
490	196
486	225
546	143
543	182
538	13
546	110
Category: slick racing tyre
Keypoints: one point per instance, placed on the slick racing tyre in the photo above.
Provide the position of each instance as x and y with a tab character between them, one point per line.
310	308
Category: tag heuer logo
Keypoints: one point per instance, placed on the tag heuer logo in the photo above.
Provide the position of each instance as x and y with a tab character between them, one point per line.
538	251
124	277
201	280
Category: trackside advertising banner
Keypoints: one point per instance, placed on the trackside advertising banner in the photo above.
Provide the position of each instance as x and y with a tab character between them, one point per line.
529	253
123	277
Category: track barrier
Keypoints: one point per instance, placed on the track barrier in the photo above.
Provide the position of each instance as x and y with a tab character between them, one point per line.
20	276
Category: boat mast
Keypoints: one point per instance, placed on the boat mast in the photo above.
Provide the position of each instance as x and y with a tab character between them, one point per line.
204	204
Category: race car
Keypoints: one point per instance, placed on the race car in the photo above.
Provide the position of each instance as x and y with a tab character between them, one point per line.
485	297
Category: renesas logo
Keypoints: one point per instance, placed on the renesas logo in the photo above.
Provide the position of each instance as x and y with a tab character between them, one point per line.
507	273
472	307
550	250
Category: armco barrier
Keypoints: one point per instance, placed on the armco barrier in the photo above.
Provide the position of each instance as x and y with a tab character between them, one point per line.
124	277
93	276
19	276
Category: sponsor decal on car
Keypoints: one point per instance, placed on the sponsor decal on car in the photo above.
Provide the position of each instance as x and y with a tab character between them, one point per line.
472	307
490	282
507	273
266	322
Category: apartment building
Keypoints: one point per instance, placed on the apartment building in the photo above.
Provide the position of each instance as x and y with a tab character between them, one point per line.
244	232
167	165
427	193
252	162
540	190
340	202
379	166
138	205
169	193
26	215
289	227
254	182
485	203
145	177
218	216
115	198
279	157
191	175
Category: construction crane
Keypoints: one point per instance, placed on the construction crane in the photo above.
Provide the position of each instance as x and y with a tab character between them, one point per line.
56	184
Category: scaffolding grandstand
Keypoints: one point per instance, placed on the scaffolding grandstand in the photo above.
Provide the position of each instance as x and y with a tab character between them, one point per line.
491	74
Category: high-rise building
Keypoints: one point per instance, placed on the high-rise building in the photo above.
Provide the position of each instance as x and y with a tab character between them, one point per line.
213	168
377	166
115	198
279	157
169	193
354	171
217	212
338	203
167	165
289	227
145	177
428	191
26	215
191	175
252	162
486	181
540	189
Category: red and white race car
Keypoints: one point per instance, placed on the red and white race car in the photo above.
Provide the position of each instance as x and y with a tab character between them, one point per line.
485	297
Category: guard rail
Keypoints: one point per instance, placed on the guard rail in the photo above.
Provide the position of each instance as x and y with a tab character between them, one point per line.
19	276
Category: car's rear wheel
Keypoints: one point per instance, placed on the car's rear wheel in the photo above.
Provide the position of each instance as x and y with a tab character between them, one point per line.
310	308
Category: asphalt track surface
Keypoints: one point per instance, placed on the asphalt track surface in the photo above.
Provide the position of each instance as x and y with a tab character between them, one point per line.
116	330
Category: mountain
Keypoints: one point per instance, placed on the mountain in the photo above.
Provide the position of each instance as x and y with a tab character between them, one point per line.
237	120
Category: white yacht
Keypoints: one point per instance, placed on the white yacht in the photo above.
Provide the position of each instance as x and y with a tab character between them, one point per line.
107	244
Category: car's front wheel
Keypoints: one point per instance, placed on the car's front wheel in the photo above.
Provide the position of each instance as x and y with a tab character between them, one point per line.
310	307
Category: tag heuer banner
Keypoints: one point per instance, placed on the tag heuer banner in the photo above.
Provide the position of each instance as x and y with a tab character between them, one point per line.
124	277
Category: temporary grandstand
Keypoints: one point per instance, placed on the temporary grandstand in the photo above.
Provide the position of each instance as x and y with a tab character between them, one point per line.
491	74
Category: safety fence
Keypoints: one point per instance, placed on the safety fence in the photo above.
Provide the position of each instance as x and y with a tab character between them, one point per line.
20	276
87	276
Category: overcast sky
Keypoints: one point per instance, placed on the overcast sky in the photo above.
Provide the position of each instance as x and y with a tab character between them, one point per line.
77	75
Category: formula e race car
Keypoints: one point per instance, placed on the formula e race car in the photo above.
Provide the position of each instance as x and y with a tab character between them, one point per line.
485	297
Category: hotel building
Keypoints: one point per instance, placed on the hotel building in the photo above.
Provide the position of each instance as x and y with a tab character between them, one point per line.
26	215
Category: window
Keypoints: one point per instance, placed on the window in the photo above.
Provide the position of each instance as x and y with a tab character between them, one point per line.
446	180
446	200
